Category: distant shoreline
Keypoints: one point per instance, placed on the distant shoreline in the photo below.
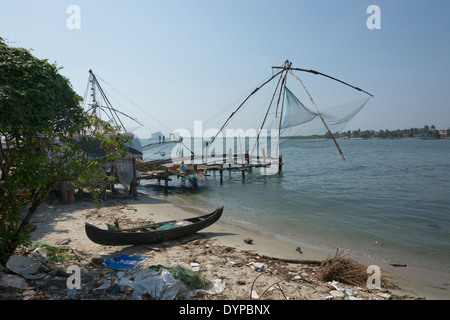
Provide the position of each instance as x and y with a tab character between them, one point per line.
371	138
425	133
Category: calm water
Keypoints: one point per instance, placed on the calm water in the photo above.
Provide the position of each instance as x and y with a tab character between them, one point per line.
389	198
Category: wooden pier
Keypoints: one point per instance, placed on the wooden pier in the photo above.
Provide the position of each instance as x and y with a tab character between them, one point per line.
194	168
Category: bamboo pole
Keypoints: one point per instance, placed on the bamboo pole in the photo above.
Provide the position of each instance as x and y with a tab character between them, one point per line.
330	77
287	66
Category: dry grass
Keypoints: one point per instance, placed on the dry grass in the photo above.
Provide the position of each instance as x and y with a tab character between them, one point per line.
346	270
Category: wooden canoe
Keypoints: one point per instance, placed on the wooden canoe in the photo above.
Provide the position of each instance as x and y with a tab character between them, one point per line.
152	233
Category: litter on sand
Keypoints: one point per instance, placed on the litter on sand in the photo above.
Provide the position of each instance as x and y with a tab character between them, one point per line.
194	280
168	283
160	285
124	262
22	265
54	253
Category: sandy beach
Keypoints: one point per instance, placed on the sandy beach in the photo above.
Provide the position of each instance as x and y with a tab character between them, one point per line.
218	252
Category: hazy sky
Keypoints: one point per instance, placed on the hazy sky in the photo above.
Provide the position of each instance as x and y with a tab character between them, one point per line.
181	61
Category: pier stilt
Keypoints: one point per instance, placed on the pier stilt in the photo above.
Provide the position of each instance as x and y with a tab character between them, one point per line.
133	185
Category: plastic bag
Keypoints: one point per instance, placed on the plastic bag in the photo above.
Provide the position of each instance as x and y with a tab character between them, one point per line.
214	288
194	280
23	265
11	280
124	262
160	285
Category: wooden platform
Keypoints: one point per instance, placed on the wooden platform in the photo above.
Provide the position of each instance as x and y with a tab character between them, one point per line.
165	170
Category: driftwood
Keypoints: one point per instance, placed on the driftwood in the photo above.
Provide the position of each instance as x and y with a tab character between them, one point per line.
294	261
397	265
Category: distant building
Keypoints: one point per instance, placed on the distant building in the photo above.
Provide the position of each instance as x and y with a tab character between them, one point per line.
443	134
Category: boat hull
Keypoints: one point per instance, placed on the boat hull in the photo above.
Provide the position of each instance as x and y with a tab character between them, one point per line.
118	238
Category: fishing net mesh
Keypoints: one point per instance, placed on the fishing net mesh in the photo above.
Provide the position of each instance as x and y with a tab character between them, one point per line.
301	121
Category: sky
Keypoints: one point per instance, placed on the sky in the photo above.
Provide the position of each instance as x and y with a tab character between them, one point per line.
170	63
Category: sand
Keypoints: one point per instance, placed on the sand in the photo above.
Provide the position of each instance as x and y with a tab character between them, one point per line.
220	249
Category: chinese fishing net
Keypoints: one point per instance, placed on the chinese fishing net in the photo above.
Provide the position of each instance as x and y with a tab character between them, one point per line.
275	112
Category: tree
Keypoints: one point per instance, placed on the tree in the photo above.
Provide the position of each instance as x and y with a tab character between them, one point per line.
43	129
435	134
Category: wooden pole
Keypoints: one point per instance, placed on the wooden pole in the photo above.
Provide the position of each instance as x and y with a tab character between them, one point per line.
325	75
230	155
287	66
112	187
134	180
264	160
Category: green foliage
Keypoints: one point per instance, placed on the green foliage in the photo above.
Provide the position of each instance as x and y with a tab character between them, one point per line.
41	127
420	133
34	97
